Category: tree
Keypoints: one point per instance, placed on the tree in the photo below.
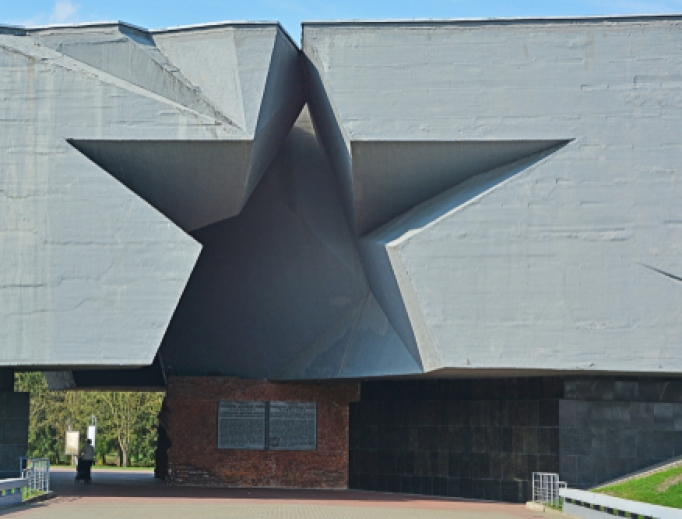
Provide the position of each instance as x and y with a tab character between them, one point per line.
42	437
131	418
127	421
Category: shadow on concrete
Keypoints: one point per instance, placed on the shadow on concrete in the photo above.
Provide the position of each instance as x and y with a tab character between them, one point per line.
133	484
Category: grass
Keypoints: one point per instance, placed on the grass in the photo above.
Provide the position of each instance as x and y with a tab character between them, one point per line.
662	488
555	505
27	494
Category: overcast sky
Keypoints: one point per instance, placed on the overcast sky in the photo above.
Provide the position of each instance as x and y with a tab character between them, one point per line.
156	14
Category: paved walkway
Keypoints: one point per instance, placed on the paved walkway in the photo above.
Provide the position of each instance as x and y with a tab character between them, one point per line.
137	495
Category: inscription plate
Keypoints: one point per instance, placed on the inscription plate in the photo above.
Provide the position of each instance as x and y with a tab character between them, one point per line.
241	425
293	426
73	440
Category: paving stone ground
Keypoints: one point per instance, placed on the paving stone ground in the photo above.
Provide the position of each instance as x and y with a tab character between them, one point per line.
137	495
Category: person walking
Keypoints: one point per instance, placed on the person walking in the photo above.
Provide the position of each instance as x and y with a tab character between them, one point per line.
87	456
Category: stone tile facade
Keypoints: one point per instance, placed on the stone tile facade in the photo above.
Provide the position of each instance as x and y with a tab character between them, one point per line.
14	417
610	427
190	417
477	439
624	389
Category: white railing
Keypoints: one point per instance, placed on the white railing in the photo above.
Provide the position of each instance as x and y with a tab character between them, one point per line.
37	472
581	503
11	491
546	486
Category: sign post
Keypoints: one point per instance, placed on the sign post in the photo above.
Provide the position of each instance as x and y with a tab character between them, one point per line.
92	430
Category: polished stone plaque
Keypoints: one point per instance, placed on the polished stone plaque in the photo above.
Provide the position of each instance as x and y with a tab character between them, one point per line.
241	425
293	426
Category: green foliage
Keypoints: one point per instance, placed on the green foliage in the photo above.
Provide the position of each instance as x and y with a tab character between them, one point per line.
661	488
27	494
555	505
126	421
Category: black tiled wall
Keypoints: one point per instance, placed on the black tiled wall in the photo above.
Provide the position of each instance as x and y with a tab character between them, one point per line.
483	438
14	418
611	427
477	439
624	389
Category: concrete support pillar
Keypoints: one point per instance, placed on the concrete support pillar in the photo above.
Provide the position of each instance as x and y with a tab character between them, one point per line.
14	415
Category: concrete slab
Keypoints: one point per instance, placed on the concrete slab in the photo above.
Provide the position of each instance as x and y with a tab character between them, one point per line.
572	265
97	251
90	273
130	55
193	183
273	280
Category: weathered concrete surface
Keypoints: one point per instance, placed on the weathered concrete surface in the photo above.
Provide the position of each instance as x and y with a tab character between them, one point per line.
502	198
279	291
250	70
131	55
192	182
390	177
572	263
90	273
147	378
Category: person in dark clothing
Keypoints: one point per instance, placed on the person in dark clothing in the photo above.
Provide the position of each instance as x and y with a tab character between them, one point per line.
161	455
87	456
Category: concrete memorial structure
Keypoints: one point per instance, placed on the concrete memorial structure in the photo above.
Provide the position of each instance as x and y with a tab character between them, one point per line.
436	200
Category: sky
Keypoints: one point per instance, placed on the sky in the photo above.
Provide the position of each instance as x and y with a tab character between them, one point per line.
157	14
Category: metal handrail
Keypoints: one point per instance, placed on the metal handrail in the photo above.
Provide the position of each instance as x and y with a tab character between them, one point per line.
37	472
546	486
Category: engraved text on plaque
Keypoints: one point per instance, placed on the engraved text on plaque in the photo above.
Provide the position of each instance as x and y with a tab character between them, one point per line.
293	426
241	425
